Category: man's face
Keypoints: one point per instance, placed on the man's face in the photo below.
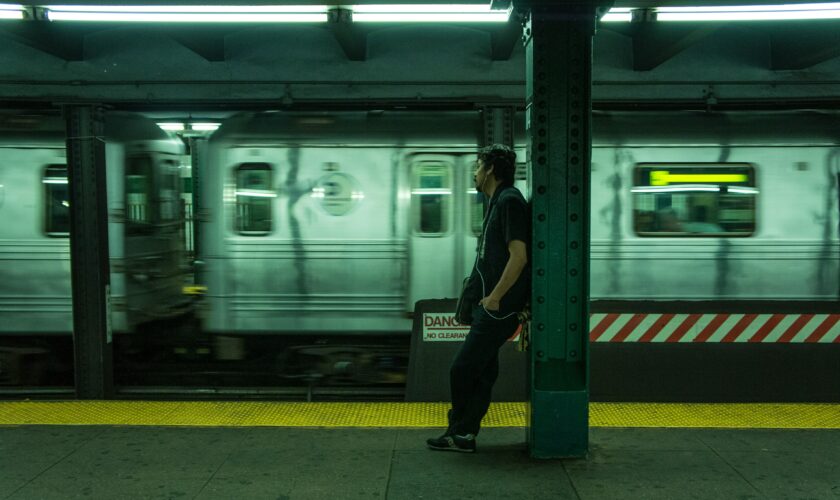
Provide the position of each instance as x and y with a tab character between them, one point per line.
480	175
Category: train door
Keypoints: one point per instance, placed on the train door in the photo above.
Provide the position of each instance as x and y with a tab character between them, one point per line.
432	234
153	237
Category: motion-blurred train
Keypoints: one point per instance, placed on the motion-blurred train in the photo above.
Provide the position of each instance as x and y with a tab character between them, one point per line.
339	222
145	227
335	223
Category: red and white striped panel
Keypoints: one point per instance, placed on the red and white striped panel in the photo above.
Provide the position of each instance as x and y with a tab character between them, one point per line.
767	328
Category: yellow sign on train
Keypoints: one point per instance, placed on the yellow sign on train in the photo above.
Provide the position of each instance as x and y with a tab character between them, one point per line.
665	177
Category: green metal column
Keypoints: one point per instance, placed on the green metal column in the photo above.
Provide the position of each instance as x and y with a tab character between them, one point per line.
558	44
89	251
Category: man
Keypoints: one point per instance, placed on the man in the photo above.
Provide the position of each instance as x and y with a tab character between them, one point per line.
503	276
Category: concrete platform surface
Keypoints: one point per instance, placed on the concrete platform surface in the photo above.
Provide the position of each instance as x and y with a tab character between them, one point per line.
111	462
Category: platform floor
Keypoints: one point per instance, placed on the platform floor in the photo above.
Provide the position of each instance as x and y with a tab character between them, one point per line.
112	462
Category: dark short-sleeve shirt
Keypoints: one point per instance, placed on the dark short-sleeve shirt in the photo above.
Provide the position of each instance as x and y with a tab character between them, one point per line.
508	218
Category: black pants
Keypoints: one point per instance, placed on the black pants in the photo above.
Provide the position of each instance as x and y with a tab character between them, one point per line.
475	369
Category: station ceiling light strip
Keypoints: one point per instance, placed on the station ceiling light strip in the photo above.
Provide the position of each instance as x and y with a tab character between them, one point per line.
386	13
204	127
420	13
750	12
189	13
12	11
171	127
618	15
781	12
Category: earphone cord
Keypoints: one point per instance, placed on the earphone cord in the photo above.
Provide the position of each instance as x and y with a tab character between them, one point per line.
484	294
480	275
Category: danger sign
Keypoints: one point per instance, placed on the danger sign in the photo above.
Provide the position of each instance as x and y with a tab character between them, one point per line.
443	327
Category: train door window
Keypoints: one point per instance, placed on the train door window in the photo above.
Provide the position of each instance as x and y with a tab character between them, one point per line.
170	200
431	194
254	197
709	199
139	191
57	198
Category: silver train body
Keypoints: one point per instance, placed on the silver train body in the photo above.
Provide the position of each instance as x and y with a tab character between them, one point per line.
145	227
340	222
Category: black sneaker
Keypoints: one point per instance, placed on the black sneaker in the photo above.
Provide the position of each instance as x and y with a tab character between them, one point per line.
462	443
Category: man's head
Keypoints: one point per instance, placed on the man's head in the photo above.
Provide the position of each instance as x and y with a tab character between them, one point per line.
496	165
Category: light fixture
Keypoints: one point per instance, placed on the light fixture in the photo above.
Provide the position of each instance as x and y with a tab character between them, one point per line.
189	13
429	13
204	127
742	190
779	12
12	11
171	127
750	12
254	193
55	180
424	191
618	14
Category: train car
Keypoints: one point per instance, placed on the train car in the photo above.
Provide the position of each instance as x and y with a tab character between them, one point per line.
34	210
705	206
342	221
336	222
145	224
706	228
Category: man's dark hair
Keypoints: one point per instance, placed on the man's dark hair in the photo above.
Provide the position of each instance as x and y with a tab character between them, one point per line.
503	161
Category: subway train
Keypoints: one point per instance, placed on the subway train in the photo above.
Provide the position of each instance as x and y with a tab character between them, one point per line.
339	222
145	224
313	225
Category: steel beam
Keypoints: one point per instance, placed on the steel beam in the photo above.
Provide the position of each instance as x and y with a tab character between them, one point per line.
558	45
89	252
497	122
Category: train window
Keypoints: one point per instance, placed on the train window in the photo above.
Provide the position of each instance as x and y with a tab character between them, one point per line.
431	193
709	199
170	199
139	191
254	195
57	201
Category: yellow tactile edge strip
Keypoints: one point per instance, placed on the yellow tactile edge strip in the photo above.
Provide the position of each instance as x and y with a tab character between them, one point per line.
282	414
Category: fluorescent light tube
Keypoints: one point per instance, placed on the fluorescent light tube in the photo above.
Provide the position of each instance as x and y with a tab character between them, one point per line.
11	11
171	127
204	127
422	191
751	8
446	17
253	193
748	16
750	12
427	8
188	14
139	17
742	190
781	12
212	9
429	14
618	14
